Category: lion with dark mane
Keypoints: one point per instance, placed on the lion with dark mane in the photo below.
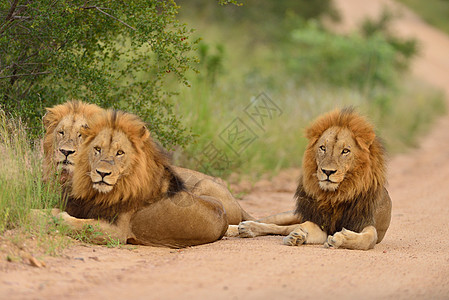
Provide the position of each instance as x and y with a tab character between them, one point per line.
124	186
341	200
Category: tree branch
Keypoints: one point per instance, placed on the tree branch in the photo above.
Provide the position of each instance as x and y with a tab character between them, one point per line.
11	10
22	75
8	18
109	15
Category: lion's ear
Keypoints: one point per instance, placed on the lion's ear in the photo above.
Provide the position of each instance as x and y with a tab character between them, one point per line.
84	130
312	135
366	140
144	133
48	119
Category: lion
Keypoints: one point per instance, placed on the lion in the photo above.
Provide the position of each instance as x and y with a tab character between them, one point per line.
341	199
124	187
62	124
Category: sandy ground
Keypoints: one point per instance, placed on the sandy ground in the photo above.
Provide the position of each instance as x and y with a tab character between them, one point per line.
412	262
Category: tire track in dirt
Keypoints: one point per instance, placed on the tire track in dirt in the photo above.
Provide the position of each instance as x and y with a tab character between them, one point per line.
411	262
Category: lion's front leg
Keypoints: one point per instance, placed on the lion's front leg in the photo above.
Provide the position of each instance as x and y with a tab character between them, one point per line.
96	231
307	232
353	240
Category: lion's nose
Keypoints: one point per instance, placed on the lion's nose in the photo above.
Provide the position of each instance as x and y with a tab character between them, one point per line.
328	172
66	152
103	174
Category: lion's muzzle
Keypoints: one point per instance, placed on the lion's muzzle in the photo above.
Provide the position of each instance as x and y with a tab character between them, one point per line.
103	174
102	180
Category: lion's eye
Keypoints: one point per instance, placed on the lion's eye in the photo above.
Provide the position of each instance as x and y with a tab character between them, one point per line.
61	132
98	149
120	152
345	151
322	148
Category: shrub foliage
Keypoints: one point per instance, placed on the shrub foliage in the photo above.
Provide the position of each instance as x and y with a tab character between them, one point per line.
96	51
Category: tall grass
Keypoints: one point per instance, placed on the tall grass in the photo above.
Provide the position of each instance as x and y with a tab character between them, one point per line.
21	185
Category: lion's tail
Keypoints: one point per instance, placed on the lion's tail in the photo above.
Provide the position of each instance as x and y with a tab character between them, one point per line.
284	218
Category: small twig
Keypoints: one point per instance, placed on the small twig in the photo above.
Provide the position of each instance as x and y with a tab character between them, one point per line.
109	15
20	18
94	7
129	26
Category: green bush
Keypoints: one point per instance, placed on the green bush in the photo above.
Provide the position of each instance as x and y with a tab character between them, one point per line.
51	52
314	55
406	48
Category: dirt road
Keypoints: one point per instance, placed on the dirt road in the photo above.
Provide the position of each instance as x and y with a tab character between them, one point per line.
411	262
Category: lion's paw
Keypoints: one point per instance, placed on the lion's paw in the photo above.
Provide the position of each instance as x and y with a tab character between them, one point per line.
63	217
55	211
295	238
336	240
246	229
233	231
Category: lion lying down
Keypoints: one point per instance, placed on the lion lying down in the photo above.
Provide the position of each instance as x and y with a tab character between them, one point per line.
125	188
341	200
63	123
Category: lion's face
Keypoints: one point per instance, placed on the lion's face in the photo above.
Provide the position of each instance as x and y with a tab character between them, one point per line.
62	139
335	150
118	161
67	138
110	157
343	158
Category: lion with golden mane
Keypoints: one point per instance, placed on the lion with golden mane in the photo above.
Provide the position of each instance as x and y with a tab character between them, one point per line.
62	124
341	200
124	186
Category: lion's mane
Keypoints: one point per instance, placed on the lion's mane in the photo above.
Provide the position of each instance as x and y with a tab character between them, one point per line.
352	204
51	120
149	179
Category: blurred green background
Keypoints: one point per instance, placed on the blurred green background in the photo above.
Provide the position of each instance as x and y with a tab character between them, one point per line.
283	49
